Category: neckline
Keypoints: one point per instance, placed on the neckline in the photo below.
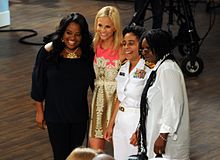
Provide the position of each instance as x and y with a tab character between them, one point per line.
71	55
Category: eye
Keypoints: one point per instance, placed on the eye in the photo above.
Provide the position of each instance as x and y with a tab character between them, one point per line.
107	26
78	34
68	32
130	43
145	51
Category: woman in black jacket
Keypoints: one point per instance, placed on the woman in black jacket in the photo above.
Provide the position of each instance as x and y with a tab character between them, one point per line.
61	77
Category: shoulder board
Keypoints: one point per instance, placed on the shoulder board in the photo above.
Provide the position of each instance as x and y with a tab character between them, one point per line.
149	64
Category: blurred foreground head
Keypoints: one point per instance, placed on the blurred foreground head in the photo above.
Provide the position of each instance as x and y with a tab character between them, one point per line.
103	156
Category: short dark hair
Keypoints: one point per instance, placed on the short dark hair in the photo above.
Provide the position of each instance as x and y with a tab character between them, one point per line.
159	41
137	30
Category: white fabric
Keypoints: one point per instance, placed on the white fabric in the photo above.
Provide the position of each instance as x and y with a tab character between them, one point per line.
125	125
168	112
129	90
159	159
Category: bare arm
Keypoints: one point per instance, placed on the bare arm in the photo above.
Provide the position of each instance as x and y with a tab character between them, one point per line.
160	143
108	131
40	115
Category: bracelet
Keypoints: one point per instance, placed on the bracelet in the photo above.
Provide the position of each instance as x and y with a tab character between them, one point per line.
164	139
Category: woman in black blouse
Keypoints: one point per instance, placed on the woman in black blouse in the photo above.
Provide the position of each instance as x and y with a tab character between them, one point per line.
61	77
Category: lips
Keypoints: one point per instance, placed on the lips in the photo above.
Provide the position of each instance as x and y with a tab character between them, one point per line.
128	52
72	42
103	36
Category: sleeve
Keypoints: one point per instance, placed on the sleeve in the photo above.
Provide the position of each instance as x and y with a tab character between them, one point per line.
92	85
39	76
173	100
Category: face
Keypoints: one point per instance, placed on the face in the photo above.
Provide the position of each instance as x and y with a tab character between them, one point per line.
105	28
72	36
147	52
130	47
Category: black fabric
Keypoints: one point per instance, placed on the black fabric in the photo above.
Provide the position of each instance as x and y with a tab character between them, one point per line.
142	143
140	156
64	137
63	87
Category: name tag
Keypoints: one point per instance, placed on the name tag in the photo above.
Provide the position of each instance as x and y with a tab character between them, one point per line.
122	74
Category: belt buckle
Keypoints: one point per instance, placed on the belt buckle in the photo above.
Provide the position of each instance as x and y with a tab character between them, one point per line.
121	108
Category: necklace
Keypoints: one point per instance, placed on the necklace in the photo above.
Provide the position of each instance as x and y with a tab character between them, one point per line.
72	54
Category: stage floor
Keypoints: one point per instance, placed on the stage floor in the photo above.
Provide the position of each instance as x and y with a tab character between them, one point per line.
20	139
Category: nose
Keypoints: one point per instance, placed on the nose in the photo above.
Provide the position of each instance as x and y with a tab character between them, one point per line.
127	45
73	36
103	29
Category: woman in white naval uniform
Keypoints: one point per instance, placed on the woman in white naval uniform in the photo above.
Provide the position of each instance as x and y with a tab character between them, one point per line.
130	80
167	122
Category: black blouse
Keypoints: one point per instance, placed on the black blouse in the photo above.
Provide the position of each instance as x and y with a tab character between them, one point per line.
63	87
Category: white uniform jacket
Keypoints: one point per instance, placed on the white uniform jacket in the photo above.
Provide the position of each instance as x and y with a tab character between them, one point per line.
130	85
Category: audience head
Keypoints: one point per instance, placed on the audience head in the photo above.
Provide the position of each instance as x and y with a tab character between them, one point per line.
82	153
103	156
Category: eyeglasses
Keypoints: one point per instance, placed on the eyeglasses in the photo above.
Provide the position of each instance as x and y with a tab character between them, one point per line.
145	51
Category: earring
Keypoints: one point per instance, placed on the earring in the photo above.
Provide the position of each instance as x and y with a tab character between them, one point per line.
62	40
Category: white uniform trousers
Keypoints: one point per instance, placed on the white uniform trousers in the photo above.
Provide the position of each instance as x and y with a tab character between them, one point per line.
126	123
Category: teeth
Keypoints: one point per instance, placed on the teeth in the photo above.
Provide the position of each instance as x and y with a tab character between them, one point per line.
103	35
128	52
71	42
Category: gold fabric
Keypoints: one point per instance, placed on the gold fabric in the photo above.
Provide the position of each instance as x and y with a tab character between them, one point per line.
104	96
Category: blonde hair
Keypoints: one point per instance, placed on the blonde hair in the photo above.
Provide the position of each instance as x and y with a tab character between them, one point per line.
113	14
82	153
103	156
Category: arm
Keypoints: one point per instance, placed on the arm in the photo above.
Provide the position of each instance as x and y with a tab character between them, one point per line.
39	85
109	129
39	115
93	76
134	137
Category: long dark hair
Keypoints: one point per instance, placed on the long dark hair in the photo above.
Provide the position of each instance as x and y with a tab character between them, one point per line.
86	42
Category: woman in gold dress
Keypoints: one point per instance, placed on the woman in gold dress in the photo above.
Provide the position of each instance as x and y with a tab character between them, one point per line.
107	39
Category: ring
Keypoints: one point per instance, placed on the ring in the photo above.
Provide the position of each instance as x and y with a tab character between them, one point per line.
160	152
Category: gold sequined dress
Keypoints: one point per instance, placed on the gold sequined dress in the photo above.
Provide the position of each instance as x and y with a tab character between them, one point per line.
106	65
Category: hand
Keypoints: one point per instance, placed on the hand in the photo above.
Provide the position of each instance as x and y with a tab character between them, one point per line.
160	145
108	134
134	138
40	120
